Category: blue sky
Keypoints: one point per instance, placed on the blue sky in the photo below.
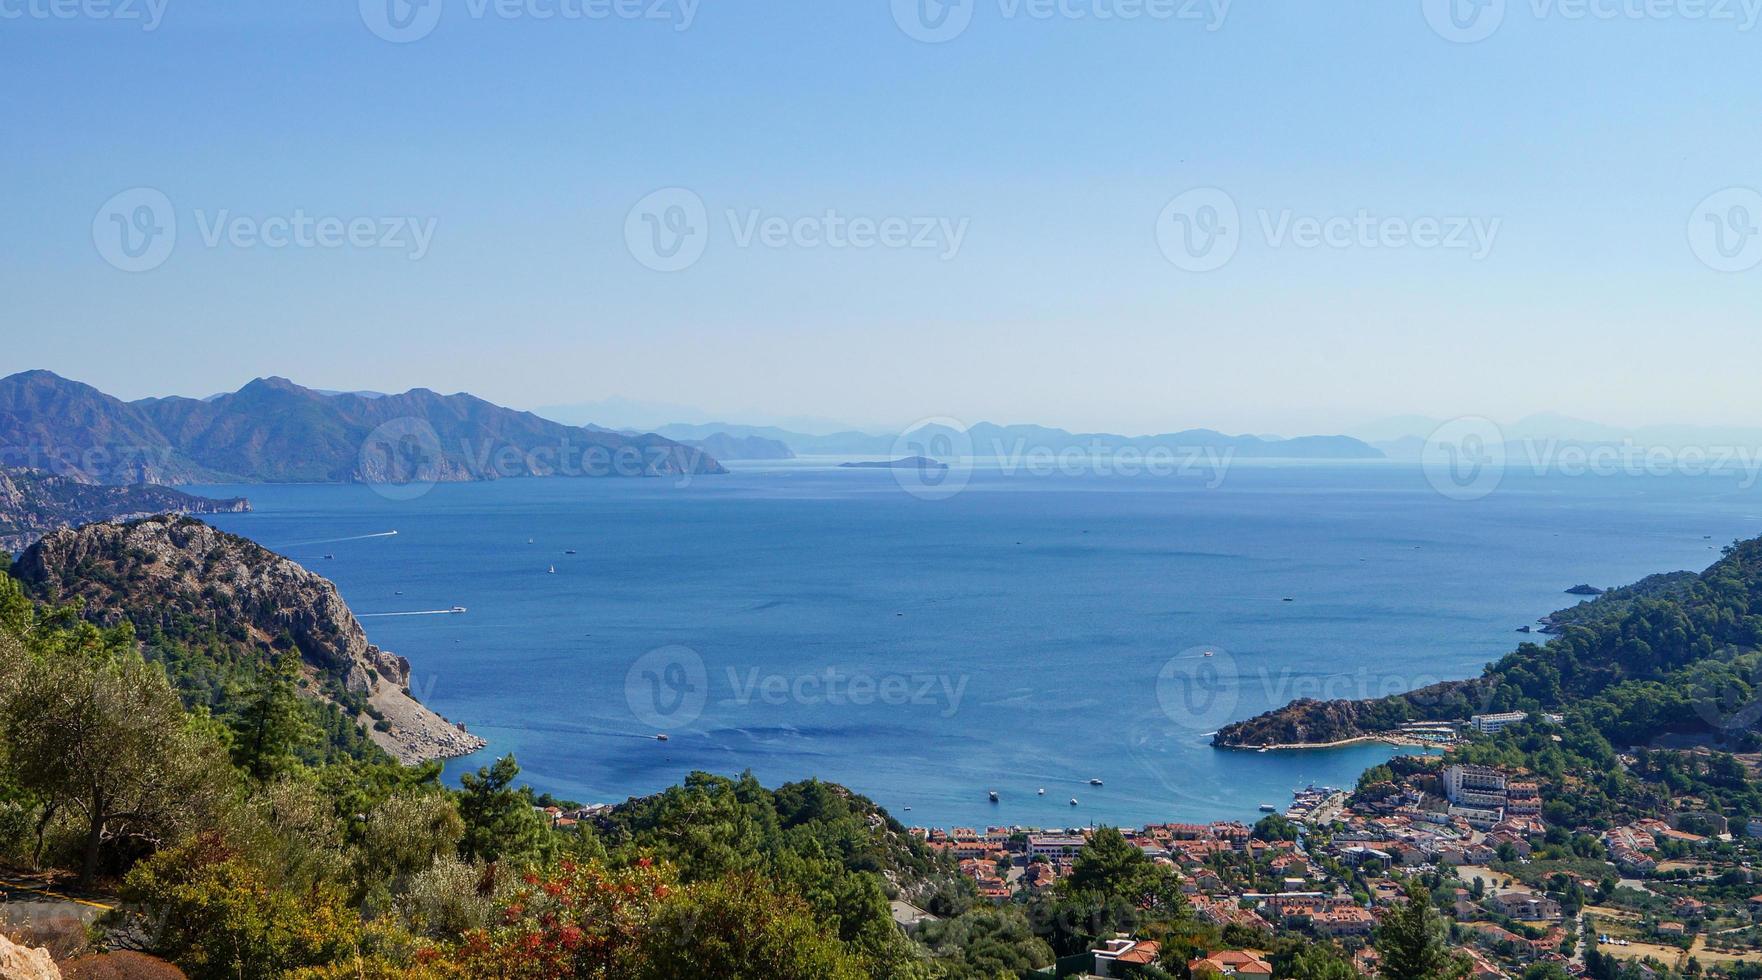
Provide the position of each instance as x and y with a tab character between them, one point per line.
1588	145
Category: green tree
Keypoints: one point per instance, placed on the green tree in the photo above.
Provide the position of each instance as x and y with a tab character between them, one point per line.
403	836
1275	827
1315	961
985	942
499	821
271	726
739	928
98	732
221	918
1413	943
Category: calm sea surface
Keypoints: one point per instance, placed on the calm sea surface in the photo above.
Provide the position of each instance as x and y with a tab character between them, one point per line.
1028	633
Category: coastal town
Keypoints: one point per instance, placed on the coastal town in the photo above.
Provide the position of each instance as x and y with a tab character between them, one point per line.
1676	892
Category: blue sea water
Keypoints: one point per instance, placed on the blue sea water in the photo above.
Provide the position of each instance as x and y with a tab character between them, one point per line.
1031	632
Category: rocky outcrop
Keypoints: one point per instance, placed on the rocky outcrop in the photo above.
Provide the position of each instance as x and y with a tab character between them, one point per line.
165	571
34	502
24	963
1302	722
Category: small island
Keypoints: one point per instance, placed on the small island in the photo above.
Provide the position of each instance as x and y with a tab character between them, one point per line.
908	463
1584	590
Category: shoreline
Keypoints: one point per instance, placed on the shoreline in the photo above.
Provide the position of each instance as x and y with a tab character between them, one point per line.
1386	739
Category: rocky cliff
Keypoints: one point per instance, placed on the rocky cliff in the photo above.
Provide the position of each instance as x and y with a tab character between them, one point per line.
33	503
165	572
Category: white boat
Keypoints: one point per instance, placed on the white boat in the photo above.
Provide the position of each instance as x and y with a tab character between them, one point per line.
551	570
1095	782
1268	808
661	737
1073	801
457	610
994	796
1042	791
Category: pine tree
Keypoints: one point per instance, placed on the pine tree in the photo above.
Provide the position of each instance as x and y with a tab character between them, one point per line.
1412	944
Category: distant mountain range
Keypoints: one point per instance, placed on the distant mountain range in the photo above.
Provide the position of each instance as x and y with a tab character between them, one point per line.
1404	437
988	440
275	431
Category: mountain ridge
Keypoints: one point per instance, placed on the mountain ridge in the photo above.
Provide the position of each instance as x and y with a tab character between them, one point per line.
273	430
989	439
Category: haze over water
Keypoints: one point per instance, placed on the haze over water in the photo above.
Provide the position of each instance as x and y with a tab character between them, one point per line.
814	621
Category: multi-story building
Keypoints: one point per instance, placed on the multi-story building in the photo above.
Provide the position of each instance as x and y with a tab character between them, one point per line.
1496	723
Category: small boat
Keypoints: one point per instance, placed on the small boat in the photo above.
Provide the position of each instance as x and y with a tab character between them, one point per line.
1042	791
1210	654
569	551
1073	801
329	557
551	570
1268	808
1289	599
1095	782
908	809
528	540
994	796
661	737
457	610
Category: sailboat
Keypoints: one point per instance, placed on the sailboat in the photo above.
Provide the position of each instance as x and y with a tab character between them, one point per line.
551	570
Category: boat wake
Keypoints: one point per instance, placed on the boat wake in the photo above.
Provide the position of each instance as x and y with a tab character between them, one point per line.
354	537
456	610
